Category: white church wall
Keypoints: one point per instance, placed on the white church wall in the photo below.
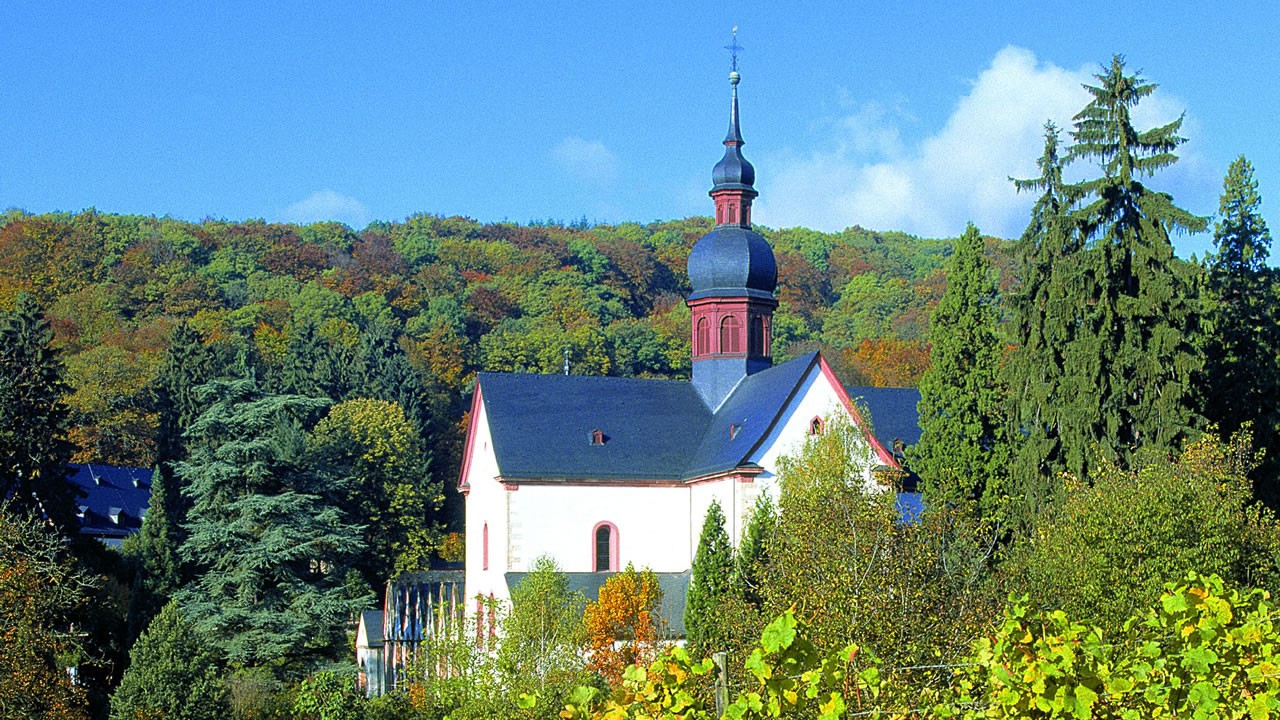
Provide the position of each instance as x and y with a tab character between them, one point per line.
486	505
817	397
560	520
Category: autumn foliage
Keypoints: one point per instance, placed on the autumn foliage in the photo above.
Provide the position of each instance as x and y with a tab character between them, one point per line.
622	625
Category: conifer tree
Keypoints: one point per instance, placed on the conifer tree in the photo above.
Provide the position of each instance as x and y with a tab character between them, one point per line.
172	674
266	539
1139	318
962	455
753	551
34	449
1242	377
712	572
188	363
1041	328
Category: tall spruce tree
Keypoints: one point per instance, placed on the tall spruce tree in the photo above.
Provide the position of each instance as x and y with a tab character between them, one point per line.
962	455
1242	380
712	572
34	449
1139	317
1041	326
266	539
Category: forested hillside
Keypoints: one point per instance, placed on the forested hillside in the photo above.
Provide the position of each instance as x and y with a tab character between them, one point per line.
452	295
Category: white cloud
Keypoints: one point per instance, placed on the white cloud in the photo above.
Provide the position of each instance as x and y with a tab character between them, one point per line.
327	205
586	160
866	175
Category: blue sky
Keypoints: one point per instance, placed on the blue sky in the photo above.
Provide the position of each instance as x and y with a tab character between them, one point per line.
903	116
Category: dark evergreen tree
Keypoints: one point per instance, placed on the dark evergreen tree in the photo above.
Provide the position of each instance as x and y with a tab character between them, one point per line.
34	449
1242	380
382	372
963	455
753	551
1138	314
266	539
158	541
1041	326
312	366
188	363
709	585
172	674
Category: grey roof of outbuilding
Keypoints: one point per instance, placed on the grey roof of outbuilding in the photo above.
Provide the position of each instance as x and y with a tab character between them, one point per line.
675	587
107	490
653	429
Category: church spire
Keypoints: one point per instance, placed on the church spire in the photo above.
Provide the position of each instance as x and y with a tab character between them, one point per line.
733	177
733	275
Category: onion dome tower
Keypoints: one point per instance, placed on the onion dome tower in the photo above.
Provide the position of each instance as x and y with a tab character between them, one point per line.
733	274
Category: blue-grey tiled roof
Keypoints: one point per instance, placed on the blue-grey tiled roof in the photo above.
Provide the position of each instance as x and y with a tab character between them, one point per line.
753	407
893	413
653	429
112	500
542	425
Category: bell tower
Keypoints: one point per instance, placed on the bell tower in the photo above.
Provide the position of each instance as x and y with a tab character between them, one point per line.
733	274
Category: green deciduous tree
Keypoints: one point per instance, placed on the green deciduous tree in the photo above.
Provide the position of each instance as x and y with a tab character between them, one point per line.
34	450
709	586
963	454
266	537
1242	380
1113	542
543	635
172	674
372	450
40	590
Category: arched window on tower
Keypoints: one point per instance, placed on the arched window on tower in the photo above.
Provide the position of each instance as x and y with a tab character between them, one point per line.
605	546
731	335
755	335
703	340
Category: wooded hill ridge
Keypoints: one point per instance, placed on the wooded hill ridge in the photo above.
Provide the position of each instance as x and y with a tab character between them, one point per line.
454	295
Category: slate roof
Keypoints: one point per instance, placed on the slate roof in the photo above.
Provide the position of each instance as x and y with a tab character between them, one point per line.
893	413
653	429
112	500
675	588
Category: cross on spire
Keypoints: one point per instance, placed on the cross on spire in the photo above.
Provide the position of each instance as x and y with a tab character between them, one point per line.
734	48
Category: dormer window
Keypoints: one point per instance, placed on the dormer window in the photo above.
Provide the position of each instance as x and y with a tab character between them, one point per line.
816	426
114	514
734	429
81	510
597	437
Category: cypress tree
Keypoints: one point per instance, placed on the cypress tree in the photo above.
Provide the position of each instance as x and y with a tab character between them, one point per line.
172	674
712	571
265	538
962	455
1139	319
34	449
753	552
1242	380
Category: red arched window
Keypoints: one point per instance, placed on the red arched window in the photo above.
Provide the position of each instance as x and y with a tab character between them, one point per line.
485	542
605	547
816	426
731	335
703	340
755	335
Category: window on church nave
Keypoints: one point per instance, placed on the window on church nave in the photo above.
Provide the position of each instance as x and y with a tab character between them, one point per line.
606	546
731	335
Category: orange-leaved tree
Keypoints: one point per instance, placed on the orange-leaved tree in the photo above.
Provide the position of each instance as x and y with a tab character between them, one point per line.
622	625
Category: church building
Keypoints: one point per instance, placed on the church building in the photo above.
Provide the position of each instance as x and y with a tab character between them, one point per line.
599	472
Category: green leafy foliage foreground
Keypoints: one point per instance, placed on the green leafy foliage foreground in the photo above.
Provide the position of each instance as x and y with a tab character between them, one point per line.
1202	650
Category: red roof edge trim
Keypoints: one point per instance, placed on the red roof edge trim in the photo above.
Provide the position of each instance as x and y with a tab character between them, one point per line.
476	402
885	456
